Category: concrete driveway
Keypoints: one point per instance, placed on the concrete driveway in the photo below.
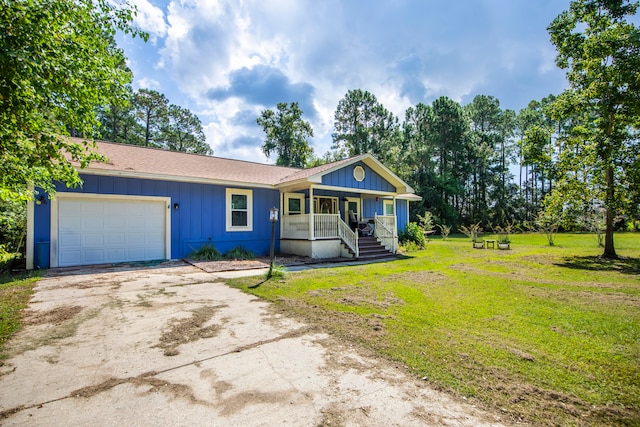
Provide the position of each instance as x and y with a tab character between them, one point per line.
174	346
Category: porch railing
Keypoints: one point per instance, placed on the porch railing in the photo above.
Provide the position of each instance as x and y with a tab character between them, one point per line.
295	226
325	226
385	231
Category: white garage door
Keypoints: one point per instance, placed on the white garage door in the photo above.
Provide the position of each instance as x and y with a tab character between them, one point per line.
98	231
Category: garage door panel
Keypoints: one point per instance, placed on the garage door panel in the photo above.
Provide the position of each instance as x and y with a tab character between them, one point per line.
70	240
70	208
116	239
116	221
92	208
93	223
154	254
93	255
92	231
116	255
136	253
70	257
93	239
69	222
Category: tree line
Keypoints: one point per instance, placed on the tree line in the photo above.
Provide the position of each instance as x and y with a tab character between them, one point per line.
577	152
457	157
147	118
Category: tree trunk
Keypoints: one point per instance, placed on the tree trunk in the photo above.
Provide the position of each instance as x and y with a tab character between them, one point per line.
609	249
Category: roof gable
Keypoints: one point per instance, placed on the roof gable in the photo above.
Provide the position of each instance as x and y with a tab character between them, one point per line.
318	174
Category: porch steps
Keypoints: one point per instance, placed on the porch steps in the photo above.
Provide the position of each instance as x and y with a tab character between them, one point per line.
371	248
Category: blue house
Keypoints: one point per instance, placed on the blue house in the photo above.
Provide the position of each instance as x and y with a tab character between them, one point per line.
149	204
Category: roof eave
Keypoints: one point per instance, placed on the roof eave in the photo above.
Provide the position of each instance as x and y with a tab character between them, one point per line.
175	178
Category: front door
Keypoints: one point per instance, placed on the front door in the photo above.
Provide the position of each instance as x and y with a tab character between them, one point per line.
352	206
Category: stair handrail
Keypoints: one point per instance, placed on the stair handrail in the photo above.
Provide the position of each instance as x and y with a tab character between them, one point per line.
388	239
348	236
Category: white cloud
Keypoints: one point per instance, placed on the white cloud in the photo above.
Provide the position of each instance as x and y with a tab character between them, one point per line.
231	59
150	19
147	83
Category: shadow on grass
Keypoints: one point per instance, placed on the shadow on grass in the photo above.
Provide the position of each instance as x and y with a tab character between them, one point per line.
257	285
597	263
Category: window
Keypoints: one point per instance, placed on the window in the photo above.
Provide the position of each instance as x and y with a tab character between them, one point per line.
293	204
358	173
239	210
325	205
388	207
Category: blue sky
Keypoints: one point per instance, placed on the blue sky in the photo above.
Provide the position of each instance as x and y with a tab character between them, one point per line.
228	60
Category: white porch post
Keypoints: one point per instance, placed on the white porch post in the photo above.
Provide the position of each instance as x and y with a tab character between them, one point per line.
281	212
312	231
395	225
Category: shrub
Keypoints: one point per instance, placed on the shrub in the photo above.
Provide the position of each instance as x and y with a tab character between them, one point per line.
471	231
239	253
445	230
414	234
13	225
206	253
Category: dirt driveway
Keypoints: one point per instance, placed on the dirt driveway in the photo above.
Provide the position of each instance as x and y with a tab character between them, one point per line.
174	346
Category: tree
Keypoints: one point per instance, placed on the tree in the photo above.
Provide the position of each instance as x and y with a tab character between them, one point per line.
286	134
58	61
600	49
363	125
182	131
151	109
486	126
118	120
433	157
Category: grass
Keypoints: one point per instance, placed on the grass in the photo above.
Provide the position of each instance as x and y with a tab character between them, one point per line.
15	293
545	335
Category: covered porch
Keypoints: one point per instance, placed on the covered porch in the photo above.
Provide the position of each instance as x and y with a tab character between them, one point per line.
328	223
349	208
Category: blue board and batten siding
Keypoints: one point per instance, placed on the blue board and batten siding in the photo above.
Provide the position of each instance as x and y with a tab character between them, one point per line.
372	181
343	177
199	219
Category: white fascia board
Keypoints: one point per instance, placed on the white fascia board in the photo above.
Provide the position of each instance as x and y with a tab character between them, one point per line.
354	190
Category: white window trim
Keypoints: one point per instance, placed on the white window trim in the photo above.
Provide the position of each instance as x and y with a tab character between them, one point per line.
289	196
249	194
384	206
346	209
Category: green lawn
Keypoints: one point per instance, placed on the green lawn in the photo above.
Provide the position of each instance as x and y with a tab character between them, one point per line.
15	293
547	335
